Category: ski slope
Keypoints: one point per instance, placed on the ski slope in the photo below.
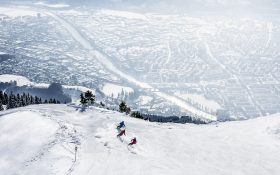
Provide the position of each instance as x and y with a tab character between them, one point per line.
41	139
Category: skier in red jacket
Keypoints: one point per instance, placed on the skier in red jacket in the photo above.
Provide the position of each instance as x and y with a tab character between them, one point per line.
121	133
133	141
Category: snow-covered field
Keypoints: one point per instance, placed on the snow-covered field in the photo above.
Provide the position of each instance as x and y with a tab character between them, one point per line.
41	140
15	11
51	5
112	89
23	81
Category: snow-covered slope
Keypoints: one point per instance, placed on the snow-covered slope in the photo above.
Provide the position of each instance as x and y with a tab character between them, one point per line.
41	140
23	81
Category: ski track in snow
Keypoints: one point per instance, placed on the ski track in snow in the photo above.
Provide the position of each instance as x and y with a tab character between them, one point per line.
65	137
109	65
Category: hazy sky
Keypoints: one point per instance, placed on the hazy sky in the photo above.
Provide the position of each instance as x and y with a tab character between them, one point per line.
178	5
186	5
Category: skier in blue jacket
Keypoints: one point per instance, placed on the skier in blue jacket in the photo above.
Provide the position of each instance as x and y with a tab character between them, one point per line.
121	125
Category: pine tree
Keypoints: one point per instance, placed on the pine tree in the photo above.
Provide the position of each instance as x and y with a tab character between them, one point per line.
28	99
136	115
83	100
1	97
128	110
18	104
89	97
1	107
46	101
54	101
50	101
36	100
32	100
23	99
6	99
123	107
11	101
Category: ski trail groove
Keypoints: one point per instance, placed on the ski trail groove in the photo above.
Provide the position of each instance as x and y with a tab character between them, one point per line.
66	136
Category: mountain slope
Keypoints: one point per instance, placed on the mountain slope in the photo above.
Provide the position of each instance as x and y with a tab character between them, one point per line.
41	140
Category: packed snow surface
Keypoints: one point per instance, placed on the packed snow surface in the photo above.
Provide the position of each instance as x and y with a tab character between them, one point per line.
41	139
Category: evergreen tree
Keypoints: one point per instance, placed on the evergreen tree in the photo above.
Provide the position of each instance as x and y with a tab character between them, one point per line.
136	115
32	100
36	100
18	103
28	99
1	97
50	101
89	97
23	99
6	99
54	101
83	100
1	107
11	101
123	107
128	110
46	101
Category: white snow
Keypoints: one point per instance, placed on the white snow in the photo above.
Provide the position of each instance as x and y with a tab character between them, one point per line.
23	135
41	140
145	99
17	11
123	14
51	5
109	89
21	81
80	88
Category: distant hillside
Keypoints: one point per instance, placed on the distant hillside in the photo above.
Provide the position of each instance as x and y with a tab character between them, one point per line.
20	84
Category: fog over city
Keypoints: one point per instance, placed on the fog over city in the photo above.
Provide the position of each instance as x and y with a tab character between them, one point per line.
213	59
